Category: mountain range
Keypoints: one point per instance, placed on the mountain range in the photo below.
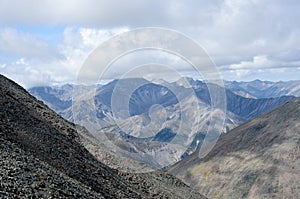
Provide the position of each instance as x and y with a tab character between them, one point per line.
155	112
264	89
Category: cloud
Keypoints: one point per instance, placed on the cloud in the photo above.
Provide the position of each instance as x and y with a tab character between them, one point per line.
13	42
78	12
266	62
270	74
280	66
25	74
106	13
239	35
38	68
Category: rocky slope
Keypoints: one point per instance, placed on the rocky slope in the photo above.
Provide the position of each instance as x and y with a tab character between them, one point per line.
43	156
259	159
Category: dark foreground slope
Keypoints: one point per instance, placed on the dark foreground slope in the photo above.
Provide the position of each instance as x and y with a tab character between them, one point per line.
41	156
41	140
260	159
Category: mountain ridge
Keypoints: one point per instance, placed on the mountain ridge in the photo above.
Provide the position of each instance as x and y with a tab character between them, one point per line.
259	159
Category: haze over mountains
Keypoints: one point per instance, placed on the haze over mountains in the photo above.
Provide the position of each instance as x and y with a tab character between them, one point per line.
154	107
265	89
59	98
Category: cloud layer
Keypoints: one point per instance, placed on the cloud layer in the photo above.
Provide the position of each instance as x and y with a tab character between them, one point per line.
246	39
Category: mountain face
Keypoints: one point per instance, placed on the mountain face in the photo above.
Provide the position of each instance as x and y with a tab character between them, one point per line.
264	89
245	108
259	159
153	110
43	155
57	98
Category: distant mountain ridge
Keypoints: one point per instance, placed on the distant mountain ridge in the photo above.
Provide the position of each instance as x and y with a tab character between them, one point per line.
265	89
60	98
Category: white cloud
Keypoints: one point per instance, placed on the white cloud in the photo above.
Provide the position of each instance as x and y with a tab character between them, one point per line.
281	66
239	35
107	14
260	61
265	62
25	74
16	43
31	69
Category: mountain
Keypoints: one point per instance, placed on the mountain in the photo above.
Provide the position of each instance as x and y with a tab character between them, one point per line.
60	98
243	107
264	89
45	156
152	109
259	159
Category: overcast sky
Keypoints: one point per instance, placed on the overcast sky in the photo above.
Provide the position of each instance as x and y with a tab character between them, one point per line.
46	42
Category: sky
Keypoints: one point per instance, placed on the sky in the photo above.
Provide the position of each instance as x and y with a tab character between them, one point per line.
46	42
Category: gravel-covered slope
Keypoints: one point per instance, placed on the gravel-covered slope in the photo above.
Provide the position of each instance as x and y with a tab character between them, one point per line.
37	130
24	176
154	184
260	159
